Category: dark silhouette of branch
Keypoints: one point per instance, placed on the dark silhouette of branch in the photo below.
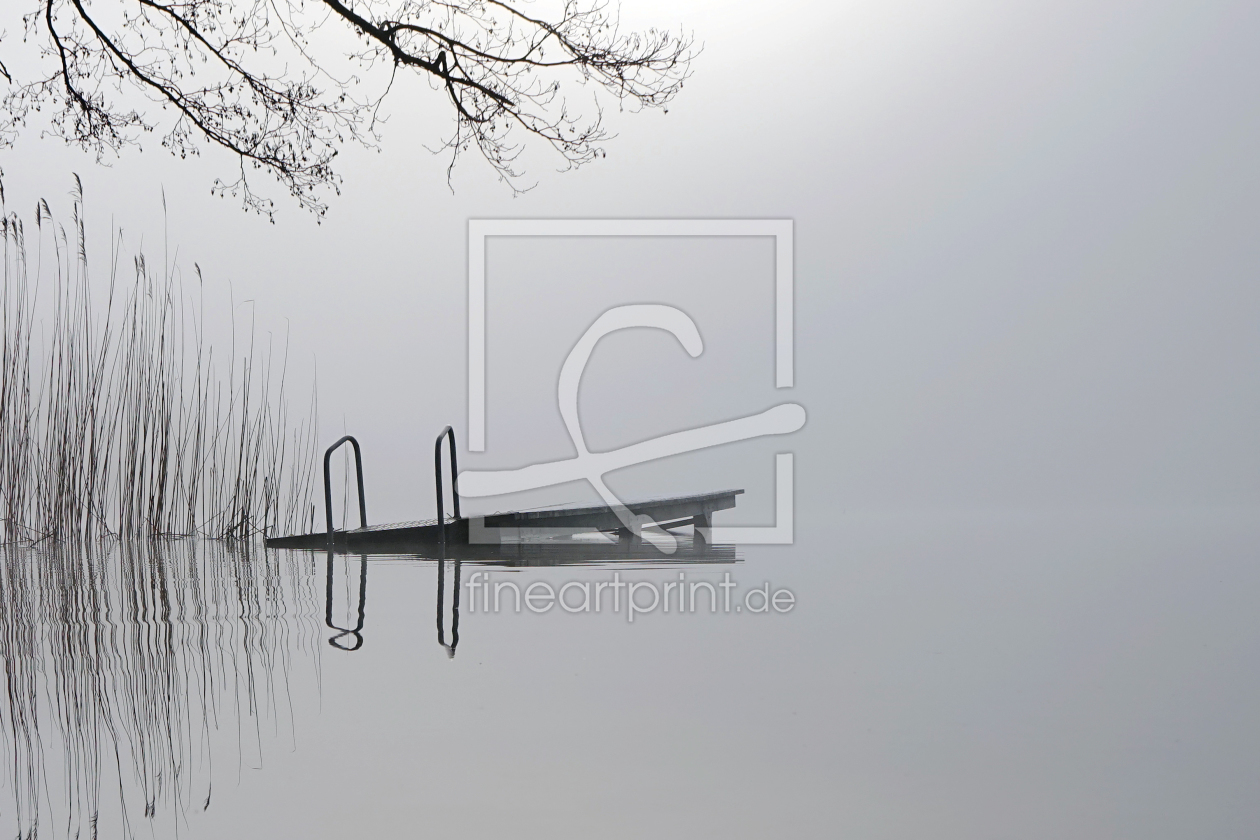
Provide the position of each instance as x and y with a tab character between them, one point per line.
284	84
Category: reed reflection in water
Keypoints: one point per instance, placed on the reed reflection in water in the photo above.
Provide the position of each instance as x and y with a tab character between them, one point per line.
130	670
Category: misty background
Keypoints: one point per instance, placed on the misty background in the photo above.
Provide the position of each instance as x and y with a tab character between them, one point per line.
1027	336
1025	260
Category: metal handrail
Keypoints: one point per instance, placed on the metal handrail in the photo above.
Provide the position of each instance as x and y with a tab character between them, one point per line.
449	434
358	467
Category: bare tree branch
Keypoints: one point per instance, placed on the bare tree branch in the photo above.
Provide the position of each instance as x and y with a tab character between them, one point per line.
274	81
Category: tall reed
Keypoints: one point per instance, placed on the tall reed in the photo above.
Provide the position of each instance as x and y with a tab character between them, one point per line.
116	418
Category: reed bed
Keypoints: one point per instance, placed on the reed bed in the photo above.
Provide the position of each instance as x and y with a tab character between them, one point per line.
118	415
137	675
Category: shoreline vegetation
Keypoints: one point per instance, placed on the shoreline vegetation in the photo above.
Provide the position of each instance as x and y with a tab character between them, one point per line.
117	417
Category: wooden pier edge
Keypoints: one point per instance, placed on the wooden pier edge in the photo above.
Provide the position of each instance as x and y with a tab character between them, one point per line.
670	512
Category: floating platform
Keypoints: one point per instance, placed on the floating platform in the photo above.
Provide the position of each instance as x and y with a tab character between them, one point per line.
583	551
464	535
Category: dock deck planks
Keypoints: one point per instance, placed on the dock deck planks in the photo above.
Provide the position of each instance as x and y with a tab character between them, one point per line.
673	511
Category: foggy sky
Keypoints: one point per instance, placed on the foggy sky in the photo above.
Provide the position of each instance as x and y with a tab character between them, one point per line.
1025	259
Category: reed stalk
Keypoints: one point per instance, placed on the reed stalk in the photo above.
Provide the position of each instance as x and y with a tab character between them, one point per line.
116	419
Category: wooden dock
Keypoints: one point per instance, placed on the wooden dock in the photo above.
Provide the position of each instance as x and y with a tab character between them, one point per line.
514	526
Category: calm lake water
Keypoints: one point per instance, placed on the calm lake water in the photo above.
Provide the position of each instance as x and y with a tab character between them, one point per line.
949	675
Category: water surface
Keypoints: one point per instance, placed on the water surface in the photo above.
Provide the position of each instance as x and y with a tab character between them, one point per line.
946	675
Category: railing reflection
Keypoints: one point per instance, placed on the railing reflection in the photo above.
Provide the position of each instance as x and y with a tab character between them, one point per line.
441	622
553	553
356	631
351	638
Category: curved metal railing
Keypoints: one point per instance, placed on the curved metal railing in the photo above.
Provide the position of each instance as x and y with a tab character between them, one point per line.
358	468
449	434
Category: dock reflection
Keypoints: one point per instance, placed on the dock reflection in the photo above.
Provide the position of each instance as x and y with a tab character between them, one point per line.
613	554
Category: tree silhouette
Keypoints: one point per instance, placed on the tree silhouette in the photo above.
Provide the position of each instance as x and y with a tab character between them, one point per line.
283	84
